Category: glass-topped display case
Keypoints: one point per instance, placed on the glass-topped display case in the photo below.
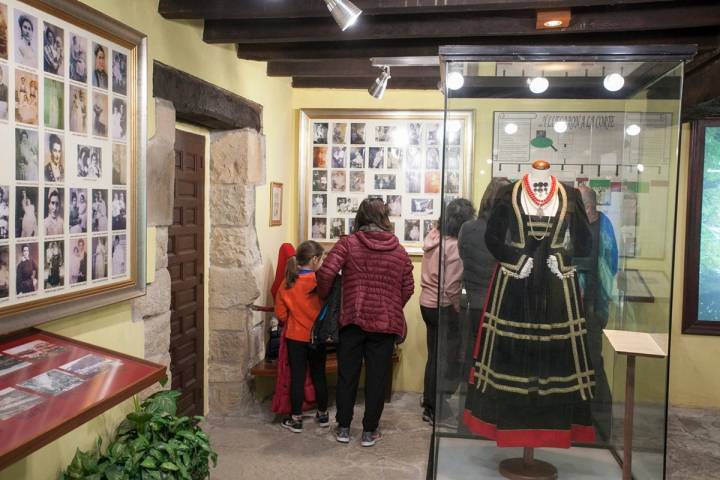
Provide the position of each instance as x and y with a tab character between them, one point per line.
568	233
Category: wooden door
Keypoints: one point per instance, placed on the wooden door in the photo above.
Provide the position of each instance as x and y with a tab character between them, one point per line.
186	263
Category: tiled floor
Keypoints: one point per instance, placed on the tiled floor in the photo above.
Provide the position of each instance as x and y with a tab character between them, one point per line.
257	447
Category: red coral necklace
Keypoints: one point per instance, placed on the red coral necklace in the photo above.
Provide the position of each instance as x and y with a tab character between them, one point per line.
533	197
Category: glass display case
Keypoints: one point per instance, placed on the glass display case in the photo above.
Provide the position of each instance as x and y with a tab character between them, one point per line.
568	232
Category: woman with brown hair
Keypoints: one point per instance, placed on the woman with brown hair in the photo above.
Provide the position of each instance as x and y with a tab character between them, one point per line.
377	282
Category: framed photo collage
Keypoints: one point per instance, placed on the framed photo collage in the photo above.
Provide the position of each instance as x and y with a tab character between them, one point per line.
66	188
350	156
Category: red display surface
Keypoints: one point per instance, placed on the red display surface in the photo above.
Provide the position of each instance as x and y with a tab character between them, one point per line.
41	408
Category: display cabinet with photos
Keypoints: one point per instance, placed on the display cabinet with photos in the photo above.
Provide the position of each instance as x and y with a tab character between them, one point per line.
574	238
349	155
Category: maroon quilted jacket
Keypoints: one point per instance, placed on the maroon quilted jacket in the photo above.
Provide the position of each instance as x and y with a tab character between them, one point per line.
377	281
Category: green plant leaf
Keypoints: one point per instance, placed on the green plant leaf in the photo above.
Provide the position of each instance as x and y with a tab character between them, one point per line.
149	462
169	466
115	472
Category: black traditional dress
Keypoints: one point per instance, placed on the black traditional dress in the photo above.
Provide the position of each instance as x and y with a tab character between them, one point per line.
532	381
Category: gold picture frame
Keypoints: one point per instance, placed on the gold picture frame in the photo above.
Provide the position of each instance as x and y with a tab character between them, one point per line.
276	204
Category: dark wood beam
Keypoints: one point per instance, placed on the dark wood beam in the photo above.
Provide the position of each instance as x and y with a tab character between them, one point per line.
343	68
507	23
701	90
429	46
363	83
259	9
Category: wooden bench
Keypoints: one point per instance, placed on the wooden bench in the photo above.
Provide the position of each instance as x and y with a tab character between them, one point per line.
269	369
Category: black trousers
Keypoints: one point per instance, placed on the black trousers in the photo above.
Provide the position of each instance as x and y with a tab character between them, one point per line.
300	355
376	349
448	368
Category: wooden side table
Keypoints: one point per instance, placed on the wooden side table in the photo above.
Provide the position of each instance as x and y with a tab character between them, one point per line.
634	344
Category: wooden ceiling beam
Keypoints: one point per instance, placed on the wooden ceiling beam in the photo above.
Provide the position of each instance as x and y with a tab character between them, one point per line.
263	9
342	68
507	23
417	83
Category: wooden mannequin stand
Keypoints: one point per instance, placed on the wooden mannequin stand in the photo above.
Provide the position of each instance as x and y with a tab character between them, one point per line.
527	468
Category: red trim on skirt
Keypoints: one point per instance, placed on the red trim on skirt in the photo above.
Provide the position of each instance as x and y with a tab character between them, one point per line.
531	438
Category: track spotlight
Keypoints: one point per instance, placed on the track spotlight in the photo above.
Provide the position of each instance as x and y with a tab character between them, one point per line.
378	87
344	12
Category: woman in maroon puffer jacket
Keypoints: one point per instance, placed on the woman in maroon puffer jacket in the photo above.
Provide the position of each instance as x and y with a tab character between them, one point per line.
377	282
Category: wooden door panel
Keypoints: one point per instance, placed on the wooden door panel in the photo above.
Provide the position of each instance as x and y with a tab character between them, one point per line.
185	264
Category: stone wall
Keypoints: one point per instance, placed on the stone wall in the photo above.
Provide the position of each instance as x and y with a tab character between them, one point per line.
237	165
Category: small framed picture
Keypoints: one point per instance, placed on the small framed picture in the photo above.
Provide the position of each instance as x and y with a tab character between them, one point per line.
276	194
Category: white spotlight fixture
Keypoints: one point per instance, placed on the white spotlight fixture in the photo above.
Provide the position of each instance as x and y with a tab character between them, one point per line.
454	80
344	12
560	126
377	89
640	167
613	82
538	84
511	128
633	130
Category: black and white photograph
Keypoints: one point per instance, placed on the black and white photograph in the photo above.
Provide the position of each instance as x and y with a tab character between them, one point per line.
320	157
357	157
99	211
432	159
452	184
53	49
4	272
453	133
26	44
89	162
428	225
99	258
78	110
119	72
452	155
36	350
119	209
14	402
357	133
53	382
4	212
412	230
350	225
26	270
338	157
78	210
4	31
4	92
90	365
319	228
339	135
394	158
54	223
434	134
385	181
319	181
320	133
119	254
54	109
422	206
376	157
26	155
394	203
100	114
337	228
10	364
415	133
54	264
357	182
26	97
100	59
78	261
54	158
414	158
119	165
338	180
319	204
118	125
413	181
347	205
26	211
384	133
78	64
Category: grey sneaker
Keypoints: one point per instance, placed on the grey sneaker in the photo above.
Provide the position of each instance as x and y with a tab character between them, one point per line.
370	438
342	434
323	419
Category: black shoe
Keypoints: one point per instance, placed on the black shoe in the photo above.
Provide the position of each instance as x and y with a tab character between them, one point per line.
428	415
323	419
293	425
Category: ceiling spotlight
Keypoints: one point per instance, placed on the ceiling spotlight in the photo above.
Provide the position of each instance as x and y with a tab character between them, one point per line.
511	128
633	130
454	80
553	19
538	84
560	126
377	89
344	12
614	82
552	23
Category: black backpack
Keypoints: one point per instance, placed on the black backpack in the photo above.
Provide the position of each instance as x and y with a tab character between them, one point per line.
325	329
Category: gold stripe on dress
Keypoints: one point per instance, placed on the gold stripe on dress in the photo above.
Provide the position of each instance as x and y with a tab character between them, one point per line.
518	216
537	338
539	391
561	218
537	326
543	381
568	308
